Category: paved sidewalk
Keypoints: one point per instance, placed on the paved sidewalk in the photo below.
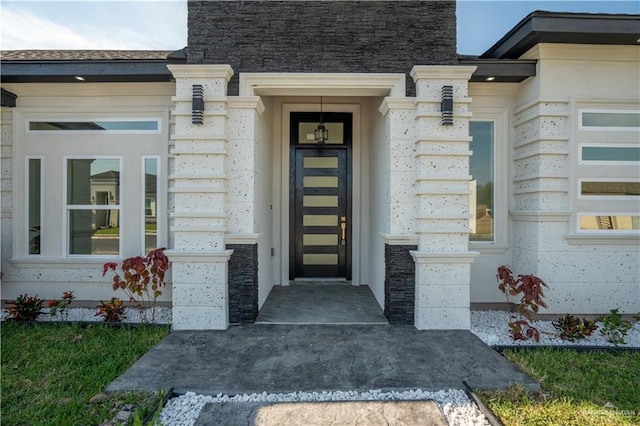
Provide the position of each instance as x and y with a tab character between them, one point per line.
288	358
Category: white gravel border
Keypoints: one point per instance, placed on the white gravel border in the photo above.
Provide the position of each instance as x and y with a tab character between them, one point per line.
454	404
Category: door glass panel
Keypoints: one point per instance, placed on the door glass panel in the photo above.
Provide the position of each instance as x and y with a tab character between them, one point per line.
320	240
321	181
319	220
320	201
306	133
320	259
321	162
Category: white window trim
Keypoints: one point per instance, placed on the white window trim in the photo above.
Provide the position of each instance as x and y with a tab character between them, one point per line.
500	243
92	119
605	128
66	207
25	234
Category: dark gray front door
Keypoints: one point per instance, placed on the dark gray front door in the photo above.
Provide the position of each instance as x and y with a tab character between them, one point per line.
320	182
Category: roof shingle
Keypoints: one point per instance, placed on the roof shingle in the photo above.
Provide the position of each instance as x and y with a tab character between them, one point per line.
83	55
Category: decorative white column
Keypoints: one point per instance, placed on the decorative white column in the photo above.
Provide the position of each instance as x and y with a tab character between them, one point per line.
443	259
198	187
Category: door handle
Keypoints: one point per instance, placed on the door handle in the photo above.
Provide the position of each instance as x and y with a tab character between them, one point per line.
343	226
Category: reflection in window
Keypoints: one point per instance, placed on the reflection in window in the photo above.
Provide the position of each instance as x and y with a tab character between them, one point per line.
35	208
336	133
610	188
481	166
611	119
150	204
610	153
123	125
610	223
93	205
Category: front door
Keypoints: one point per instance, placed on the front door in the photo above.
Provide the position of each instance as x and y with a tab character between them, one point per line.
320	182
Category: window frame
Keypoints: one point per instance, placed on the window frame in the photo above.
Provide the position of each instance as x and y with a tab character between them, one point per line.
66	207
582	127
602	171
89	119
159	204
26	235
499	118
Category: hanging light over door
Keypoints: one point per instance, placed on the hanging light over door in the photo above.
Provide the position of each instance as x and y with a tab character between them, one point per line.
321	132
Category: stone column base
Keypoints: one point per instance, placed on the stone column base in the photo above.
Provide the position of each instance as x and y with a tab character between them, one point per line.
243	283
200	293
442	290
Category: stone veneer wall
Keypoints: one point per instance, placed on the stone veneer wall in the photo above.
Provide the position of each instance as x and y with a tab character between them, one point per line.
399	284
322	36
243	283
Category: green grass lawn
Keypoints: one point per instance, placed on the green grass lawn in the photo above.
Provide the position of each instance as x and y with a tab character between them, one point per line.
51	371
579	388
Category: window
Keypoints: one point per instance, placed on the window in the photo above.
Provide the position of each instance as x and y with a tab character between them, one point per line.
94	185
609	119
481	165
34	203
128	126
150	207
93	206
607	168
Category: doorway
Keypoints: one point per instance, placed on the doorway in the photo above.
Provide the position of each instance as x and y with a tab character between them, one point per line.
320	193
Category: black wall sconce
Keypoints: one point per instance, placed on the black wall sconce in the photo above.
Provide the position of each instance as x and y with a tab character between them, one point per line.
446	106
197	104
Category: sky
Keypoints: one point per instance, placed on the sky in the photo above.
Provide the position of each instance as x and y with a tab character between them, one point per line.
162	24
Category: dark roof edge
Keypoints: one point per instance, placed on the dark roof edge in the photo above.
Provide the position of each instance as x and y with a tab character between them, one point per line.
499	70
532	30
8	98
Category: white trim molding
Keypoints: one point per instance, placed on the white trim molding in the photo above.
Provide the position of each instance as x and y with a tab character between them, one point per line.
201	71
241	238
400	240
198	256
325	84
538	216
463	257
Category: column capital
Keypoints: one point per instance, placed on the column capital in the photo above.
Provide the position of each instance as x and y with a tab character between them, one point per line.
441	72
201	71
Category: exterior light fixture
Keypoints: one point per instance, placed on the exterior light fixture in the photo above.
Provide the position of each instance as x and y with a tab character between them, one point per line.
321	133
446	106
79	78
490	78
197	104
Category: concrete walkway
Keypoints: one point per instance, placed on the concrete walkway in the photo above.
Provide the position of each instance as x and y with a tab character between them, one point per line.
288	358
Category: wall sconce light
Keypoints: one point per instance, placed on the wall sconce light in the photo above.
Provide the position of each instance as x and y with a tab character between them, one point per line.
197	104
446	106
321	133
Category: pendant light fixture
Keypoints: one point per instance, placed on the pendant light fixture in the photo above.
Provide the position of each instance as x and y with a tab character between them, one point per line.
321	133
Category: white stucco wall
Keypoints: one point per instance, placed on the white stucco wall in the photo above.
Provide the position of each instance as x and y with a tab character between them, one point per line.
53	272
585	273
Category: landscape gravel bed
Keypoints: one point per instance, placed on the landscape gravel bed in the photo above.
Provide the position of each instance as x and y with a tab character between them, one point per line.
455	405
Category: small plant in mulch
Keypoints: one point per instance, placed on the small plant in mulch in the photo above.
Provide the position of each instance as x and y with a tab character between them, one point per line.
572	329
142	280
25	308
528	291
61	306
111	311
614	328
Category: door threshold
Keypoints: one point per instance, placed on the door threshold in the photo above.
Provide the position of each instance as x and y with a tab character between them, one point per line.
321	281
